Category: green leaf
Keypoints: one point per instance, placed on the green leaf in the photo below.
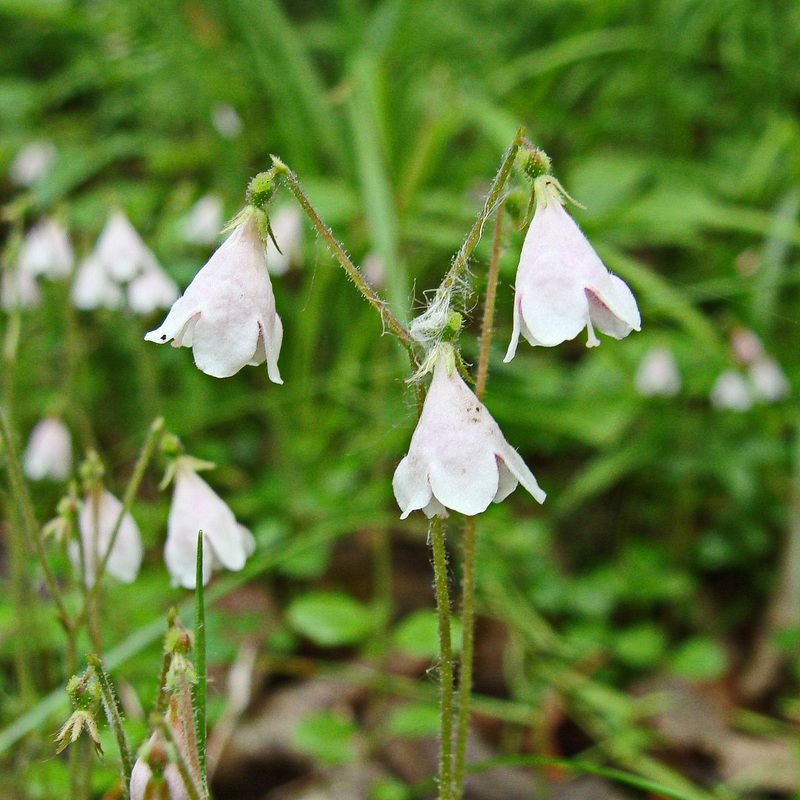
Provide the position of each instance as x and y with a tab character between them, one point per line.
330	618
327	737
413	720
699	659
418	634
640	646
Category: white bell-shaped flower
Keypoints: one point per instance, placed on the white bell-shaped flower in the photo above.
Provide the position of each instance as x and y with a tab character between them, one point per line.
770	383
93	288
46	251
287	228
657	374
731	392
120	249
141	775
48	453
458	457
202	223
227	313
153	289
562	285
96	523
197	507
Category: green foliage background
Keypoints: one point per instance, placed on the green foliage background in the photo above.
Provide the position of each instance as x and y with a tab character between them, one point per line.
674	122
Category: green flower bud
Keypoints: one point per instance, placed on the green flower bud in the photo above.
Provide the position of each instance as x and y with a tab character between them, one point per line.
261	189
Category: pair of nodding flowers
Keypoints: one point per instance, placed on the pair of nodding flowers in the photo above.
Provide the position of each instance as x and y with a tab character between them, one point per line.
458	458
195	507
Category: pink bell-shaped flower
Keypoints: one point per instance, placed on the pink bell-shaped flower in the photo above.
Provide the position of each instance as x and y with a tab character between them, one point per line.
227	313
458	457
49	451
96	525
562	285
197	507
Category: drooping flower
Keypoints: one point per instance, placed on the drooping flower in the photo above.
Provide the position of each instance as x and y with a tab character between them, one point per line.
48	453
153	289
562	285
121	251
203	221
197	507
96	523
32	163
458	458
168	786
227	121
93	288
227	313
287	228
46	251
746	346
731	392
658	374
770	383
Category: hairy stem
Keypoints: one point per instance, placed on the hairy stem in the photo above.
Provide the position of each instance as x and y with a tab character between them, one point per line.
461	261
468	544
200	666
467	650
113	715
389	320
436	532
192	789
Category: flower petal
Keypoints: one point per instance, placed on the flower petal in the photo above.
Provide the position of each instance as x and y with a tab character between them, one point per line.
613	309
410	484
519	469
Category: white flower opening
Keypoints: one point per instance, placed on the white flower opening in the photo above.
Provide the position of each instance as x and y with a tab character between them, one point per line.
227	313
197	507
562	286
458	458
96	523
48	453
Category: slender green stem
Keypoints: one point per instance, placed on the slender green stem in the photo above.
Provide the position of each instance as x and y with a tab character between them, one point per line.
192	789
200	666
114	716
487	325
92	597
467	650
21	496
80	763
156	427
370	295
468	544
436	533
21	598
461	261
